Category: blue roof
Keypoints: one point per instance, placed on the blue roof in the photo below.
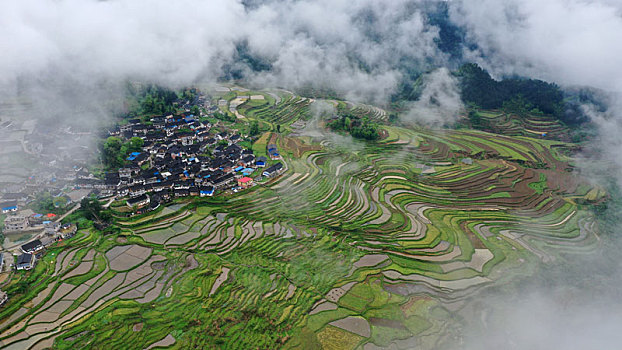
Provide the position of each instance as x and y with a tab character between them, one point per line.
135	153
37	215
239	168
261	162
10	208
208	191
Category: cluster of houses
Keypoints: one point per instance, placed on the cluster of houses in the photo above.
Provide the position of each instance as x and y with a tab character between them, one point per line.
55	155
181	156
32	250
25	220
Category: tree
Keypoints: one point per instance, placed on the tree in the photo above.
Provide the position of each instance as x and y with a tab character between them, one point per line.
357	127
347	122
91	208
195	110
157	100
94	211
254	129
393	118
112	156
135	144
517	105
44	202
278	128
475	118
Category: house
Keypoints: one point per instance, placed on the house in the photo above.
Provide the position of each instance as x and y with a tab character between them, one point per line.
273	152
1	262
3	297
128	172
467	161
222	181
206	191
112	181
133	156
155	202
137	190
8	207
247	160
25	261
245	182
273	170
16	223
51	227
186	138
141	158
32	247
194	191
261	162
16	196
68	230
36	219
138	202
181	192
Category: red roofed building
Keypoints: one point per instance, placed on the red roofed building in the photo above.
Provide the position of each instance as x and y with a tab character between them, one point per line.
245	182
50	215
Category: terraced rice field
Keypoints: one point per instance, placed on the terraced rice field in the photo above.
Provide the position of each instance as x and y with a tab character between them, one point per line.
365	247
531	126
288	109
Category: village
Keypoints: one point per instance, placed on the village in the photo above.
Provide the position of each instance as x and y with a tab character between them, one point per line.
36	183
180	156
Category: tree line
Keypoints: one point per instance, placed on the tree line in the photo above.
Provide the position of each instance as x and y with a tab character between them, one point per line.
516	95
360	128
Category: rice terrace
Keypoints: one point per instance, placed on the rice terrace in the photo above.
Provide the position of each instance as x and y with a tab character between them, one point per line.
354	245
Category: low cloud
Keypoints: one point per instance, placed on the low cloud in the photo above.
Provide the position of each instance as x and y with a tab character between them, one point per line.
571	42
575	305
439	103
354	49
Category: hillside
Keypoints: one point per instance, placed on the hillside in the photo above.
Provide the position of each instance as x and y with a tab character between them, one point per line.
356	245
